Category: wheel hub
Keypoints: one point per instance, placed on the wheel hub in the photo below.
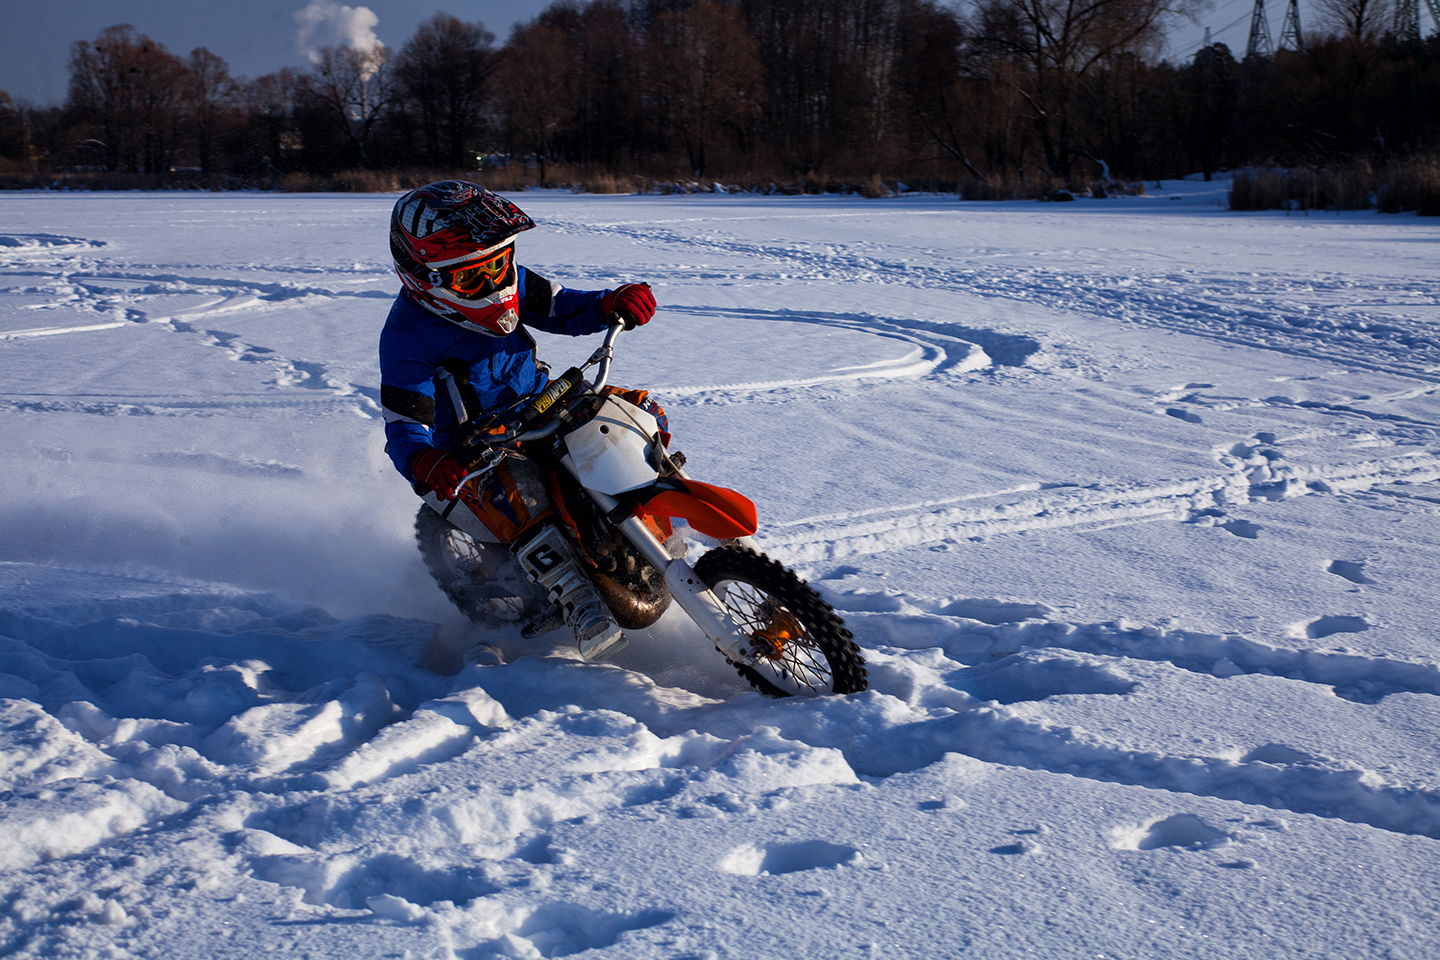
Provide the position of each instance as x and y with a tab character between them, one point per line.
770	640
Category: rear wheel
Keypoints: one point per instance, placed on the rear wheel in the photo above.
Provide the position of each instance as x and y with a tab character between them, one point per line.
799	645
480	578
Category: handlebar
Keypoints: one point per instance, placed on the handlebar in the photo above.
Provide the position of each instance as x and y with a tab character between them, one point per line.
601	358
534	406
604	355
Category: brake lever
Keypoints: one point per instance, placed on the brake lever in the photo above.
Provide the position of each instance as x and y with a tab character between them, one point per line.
490	458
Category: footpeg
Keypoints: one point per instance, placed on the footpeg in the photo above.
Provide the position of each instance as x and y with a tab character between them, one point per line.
548	560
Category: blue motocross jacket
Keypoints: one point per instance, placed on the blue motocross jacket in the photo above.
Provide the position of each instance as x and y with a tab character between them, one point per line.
435	375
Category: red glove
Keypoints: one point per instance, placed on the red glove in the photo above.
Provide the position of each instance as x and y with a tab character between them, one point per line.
438	470
633	302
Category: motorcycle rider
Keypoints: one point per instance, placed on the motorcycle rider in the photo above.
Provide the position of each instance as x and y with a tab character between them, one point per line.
457	345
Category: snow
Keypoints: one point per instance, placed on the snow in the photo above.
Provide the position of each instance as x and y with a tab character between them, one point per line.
1133	505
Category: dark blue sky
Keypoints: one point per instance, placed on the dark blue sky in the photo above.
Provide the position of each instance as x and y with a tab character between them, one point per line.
254	36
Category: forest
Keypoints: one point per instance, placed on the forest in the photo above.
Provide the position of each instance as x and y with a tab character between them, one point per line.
992	99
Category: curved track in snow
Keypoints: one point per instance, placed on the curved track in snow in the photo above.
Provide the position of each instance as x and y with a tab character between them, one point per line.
1373	322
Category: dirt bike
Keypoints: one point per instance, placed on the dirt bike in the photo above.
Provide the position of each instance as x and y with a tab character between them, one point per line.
618	488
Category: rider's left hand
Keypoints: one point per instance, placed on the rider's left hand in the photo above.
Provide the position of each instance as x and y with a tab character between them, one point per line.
631	303
439	471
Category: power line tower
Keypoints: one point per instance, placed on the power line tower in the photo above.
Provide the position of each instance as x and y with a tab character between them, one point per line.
1290	32
1260	45
1407	18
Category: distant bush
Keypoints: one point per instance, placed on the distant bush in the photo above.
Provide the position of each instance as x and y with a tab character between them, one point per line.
354	181
99	180
516	177
1046	188
1412	185
1396	187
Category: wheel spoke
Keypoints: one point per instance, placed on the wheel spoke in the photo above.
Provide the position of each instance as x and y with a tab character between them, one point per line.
798	661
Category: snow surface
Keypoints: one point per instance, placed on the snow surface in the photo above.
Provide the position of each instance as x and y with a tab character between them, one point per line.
1132	504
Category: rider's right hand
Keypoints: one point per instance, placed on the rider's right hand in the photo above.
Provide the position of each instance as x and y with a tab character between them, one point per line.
438	470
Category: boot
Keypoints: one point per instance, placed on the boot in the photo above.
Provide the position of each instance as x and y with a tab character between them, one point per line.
549	561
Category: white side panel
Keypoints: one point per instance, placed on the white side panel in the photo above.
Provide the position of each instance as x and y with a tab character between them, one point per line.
464	518
609	453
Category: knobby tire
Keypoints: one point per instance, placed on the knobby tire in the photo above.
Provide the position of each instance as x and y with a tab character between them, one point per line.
479	578
758	592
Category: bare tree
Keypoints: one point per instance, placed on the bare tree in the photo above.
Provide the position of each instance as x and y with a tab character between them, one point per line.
208	92
16	126
1357	21
933	82
128	85
611	82
161	78
1207	110
358	89
707	74
443	71
831	78
1060	45
268	104
868	75
800	44
1344	66
535	89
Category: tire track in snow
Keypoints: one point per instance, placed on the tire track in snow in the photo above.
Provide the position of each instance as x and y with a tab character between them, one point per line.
977	632
936	350
26	248
52	331
1264	778
1095	506
1006	654
937	337
1015	653
92	285
912	719
86	290
1265	311
365	401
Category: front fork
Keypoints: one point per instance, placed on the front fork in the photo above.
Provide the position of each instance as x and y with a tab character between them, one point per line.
696	599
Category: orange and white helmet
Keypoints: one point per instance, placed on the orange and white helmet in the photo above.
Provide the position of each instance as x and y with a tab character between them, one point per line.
454	249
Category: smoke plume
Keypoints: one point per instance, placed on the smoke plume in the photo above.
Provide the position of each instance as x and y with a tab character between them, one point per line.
327	23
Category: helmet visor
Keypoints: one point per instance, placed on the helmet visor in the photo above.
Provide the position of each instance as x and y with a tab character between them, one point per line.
480	277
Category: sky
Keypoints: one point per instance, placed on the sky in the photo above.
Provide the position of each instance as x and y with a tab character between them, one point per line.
255	38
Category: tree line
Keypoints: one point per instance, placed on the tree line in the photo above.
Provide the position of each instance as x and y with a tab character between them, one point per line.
986	99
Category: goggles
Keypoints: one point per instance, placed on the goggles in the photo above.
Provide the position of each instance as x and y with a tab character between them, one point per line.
476	277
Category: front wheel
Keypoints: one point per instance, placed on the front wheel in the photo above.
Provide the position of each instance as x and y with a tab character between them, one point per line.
800	646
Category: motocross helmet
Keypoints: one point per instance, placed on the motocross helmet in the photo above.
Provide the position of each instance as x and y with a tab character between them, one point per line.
454	249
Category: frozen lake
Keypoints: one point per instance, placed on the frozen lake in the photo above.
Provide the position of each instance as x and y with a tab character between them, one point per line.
1132	505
